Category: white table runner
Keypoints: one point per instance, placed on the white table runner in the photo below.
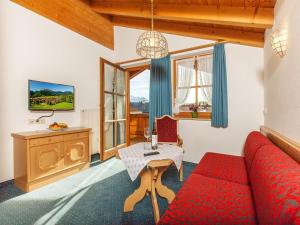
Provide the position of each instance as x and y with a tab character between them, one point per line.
135	161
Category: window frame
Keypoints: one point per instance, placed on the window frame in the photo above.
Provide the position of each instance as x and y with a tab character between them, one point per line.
188	114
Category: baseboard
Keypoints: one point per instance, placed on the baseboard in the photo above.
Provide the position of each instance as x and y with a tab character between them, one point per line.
6	183
95	157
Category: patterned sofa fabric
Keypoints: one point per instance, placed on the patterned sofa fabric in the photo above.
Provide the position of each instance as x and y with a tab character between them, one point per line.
225	167
206	201
254	141
275	181
217	192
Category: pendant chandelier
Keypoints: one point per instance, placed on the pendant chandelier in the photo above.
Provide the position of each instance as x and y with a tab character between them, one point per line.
152	44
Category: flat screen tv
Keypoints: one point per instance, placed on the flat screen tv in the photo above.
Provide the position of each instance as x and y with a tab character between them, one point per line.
45	96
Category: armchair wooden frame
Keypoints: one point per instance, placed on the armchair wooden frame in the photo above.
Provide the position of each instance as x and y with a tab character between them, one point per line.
179	142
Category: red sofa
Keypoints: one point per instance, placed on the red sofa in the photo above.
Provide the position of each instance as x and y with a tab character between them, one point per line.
263	187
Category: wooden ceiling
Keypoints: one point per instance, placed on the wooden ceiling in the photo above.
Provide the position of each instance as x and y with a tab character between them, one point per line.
237	21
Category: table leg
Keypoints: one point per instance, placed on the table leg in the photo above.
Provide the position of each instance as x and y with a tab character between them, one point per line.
153	195
139	193
161	189
181	173
151	182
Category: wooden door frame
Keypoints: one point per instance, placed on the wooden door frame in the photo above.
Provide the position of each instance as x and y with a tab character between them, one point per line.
102	109
127	107
136	70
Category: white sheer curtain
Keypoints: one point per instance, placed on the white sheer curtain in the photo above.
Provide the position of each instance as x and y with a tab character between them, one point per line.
185	78
205	64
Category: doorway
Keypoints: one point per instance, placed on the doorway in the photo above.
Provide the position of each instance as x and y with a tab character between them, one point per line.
124	106
139	86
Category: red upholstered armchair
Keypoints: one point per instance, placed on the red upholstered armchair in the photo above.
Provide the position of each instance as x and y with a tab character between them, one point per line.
167	132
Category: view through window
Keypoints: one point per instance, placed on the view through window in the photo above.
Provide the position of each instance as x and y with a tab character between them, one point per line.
139	92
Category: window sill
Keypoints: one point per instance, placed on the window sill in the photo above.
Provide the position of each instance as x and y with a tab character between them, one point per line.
188	116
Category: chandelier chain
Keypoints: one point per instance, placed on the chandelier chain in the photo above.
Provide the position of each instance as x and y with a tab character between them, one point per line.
152	15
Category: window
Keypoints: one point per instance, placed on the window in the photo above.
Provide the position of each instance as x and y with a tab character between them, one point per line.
193	86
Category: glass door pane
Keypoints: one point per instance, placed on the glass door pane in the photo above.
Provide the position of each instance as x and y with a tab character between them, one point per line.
109	72
121	110
113	109
121	133
109	130
109	107
120	82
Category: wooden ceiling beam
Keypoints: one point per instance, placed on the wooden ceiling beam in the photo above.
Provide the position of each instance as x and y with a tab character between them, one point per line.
75	15
241	3
251	38
251	16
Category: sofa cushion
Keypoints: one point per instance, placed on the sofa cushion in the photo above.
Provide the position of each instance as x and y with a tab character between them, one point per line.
254	141
275	181
203	201
221	166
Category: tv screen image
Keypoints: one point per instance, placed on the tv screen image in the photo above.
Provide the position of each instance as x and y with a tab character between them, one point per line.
44	96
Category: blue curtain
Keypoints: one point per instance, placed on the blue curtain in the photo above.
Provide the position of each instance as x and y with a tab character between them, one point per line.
160	89
219	92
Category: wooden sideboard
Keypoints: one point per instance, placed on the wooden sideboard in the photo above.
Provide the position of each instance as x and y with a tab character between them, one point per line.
42	157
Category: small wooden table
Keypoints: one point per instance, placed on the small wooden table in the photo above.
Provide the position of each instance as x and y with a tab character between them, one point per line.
151	183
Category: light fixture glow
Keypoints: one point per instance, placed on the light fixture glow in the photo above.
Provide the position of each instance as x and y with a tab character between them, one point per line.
279	42
152	44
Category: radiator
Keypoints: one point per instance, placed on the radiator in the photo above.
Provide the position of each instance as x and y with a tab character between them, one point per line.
91	118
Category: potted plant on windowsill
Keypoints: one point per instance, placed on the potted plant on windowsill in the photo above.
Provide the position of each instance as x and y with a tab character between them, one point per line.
204	106
194	109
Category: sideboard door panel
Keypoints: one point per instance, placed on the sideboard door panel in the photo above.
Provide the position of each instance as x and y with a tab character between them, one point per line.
46	160
76	152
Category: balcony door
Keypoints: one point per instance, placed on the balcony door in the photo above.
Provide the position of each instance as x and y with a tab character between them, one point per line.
113	108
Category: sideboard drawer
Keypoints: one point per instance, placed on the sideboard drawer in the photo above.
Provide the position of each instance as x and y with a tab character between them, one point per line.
45	141
76	136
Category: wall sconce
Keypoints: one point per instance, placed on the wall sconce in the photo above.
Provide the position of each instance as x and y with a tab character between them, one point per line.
279	42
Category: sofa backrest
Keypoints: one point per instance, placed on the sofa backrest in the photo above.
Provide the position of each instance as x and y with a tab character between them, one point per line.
275	184
254	141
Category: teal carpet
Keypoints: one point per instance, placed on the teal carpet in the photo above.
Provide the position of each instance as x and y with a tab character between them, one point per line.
91	197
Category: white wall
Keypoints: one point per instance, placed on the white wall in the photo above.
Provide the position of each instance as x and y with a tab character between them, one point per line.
33	47
282	75
245	96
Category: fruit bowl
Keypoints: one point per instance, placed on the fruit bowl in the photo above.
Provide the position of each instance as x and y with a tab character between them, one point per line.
57	126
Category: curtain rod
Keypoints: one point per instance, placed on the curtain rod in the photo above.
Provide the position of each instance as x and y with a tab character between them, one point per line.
176	52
